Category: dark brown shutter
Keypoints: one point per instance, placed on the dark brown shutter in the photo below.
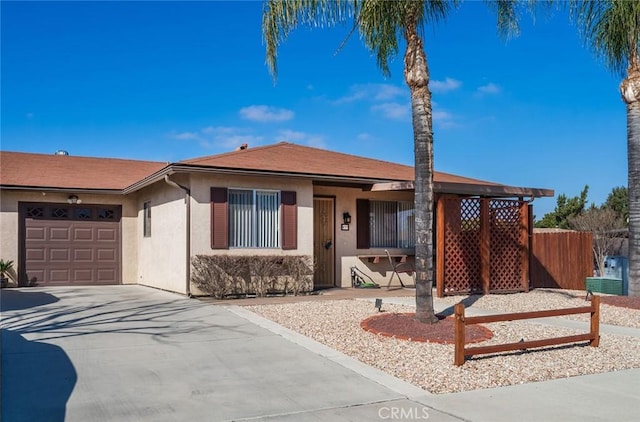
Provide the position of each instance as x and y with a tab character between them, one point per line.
289	227
219	219
362	223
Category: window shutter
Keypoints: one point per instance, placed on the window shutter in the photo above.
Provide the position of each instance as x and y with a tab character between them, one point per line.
362	223
289	227
219	219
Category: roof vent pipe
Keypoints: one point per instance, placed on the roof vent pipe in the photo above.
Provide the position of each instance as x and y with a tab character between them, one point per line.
242	147
61	152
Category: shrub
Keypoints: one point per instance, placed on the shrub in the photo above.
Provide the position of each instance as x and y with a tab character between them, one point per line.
224	275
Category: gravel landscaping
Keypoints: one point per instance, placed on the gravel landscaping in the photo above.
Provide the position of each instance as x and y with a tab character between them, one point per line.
336	323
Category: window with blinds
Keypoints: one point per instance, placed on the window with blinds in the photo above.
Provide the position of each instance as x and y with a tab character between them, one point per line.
254	219
392	224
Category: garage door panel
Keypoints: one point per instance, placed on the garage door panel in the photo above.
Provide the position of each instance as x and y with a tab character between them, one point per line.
35	233
83	254
83	275
57	255
35	254
59	234
106	235
83	234
107	275
59	275
36	275
106	255
71	247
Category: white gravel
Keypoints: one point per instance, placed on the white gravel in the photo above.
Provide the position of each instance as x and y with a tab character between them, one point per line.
541	299
336	323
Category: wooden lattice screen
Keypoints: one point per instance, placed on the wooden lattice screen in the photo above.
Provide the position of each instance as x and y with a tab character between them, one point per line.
482	246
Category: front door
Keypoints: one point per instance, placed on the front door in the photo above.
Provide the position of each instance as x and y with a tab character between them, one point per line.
323	247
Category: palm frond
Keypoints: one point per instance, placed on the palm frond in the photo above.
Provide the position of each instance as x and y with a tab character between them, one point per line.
382	23
379	22
280	17
612	29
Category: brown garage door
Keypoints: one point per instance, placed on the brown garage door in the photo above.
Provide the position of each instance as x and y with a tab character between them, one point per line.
71	244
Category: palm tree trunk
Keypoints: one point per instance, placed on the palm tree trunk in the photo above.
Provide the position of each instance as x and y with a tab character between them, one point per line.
630	89
416	74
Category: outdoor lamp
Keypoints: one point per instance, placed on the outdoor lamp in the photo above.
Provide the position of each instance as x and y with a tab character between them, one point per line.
378	305
73	199
346	217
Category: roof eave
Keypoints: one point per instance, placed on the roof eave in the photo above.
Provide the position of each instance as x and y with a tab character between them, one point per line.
99	191
470	189
190	168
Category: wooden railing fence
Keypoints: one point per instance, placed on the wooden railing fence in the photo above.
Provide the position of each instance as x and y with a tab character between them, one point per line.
461	321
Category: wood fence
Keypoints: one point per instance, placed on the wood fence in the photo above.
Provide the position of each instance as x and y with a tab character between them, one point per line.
461	321
482	245
561	259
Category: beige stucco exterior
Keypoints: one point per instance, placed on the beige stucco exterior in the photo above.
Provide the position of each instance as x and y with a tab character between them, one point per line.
162	256
201	210
346	252
161	259
9	224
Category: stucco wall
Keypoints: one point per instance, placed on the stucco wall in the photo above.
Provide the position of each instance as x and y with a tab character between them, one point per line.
162	259
345	241
201	211
9	245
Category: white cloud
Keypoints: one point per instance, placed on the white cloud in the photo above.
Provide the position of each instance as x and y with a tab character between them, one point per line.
230	137
301	138
444	119
394	111
263	113
220	136
375	92
440	116
185	136
441	87
364	137
386	92
489	88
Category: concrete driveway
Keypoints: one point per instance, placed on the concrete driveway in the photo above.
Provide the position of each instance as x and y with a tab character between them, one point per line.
131	353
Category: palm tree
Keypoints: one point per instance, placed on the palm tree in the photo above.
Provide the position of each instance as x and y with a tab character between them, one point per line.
381	24
612	28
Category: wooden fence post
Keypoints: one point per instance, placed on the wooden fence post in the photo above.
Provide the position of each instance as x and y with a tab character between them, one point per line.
595	321
458	358
485	246
440	231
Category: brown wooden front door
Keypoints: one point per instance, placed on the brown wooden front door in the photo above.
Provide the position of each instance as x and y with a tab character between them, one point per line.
323	242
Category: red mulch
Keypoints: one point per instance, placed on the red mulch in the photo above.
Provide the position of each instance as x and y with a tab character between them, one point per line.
405	327
622	301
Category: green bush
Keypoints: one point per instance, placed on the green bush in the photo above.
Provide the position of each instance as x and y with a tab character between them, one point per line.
224	275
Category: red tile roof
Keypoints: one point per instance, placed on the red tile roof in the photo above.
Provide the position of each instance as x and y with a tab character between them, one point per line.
65	171
292	158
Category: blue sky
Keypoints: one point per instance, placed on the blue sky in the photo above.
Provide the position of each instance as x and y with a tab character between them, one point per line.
169	81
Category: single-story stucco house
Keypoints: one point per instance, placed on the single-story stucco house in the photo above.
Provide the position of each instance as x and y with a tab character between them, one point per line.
67	220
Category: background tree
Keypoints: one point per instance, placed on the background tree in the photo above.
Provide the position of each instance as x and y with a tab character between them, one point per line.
618	201
383	25
604	223
566	208
612	28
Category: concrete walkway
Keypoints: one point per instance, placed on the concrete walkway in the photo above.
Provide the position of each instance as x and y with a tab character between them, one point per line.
130	353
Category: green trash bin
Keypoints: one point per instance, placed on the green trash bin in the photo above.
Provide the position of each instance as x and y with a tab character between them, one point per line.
612	286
